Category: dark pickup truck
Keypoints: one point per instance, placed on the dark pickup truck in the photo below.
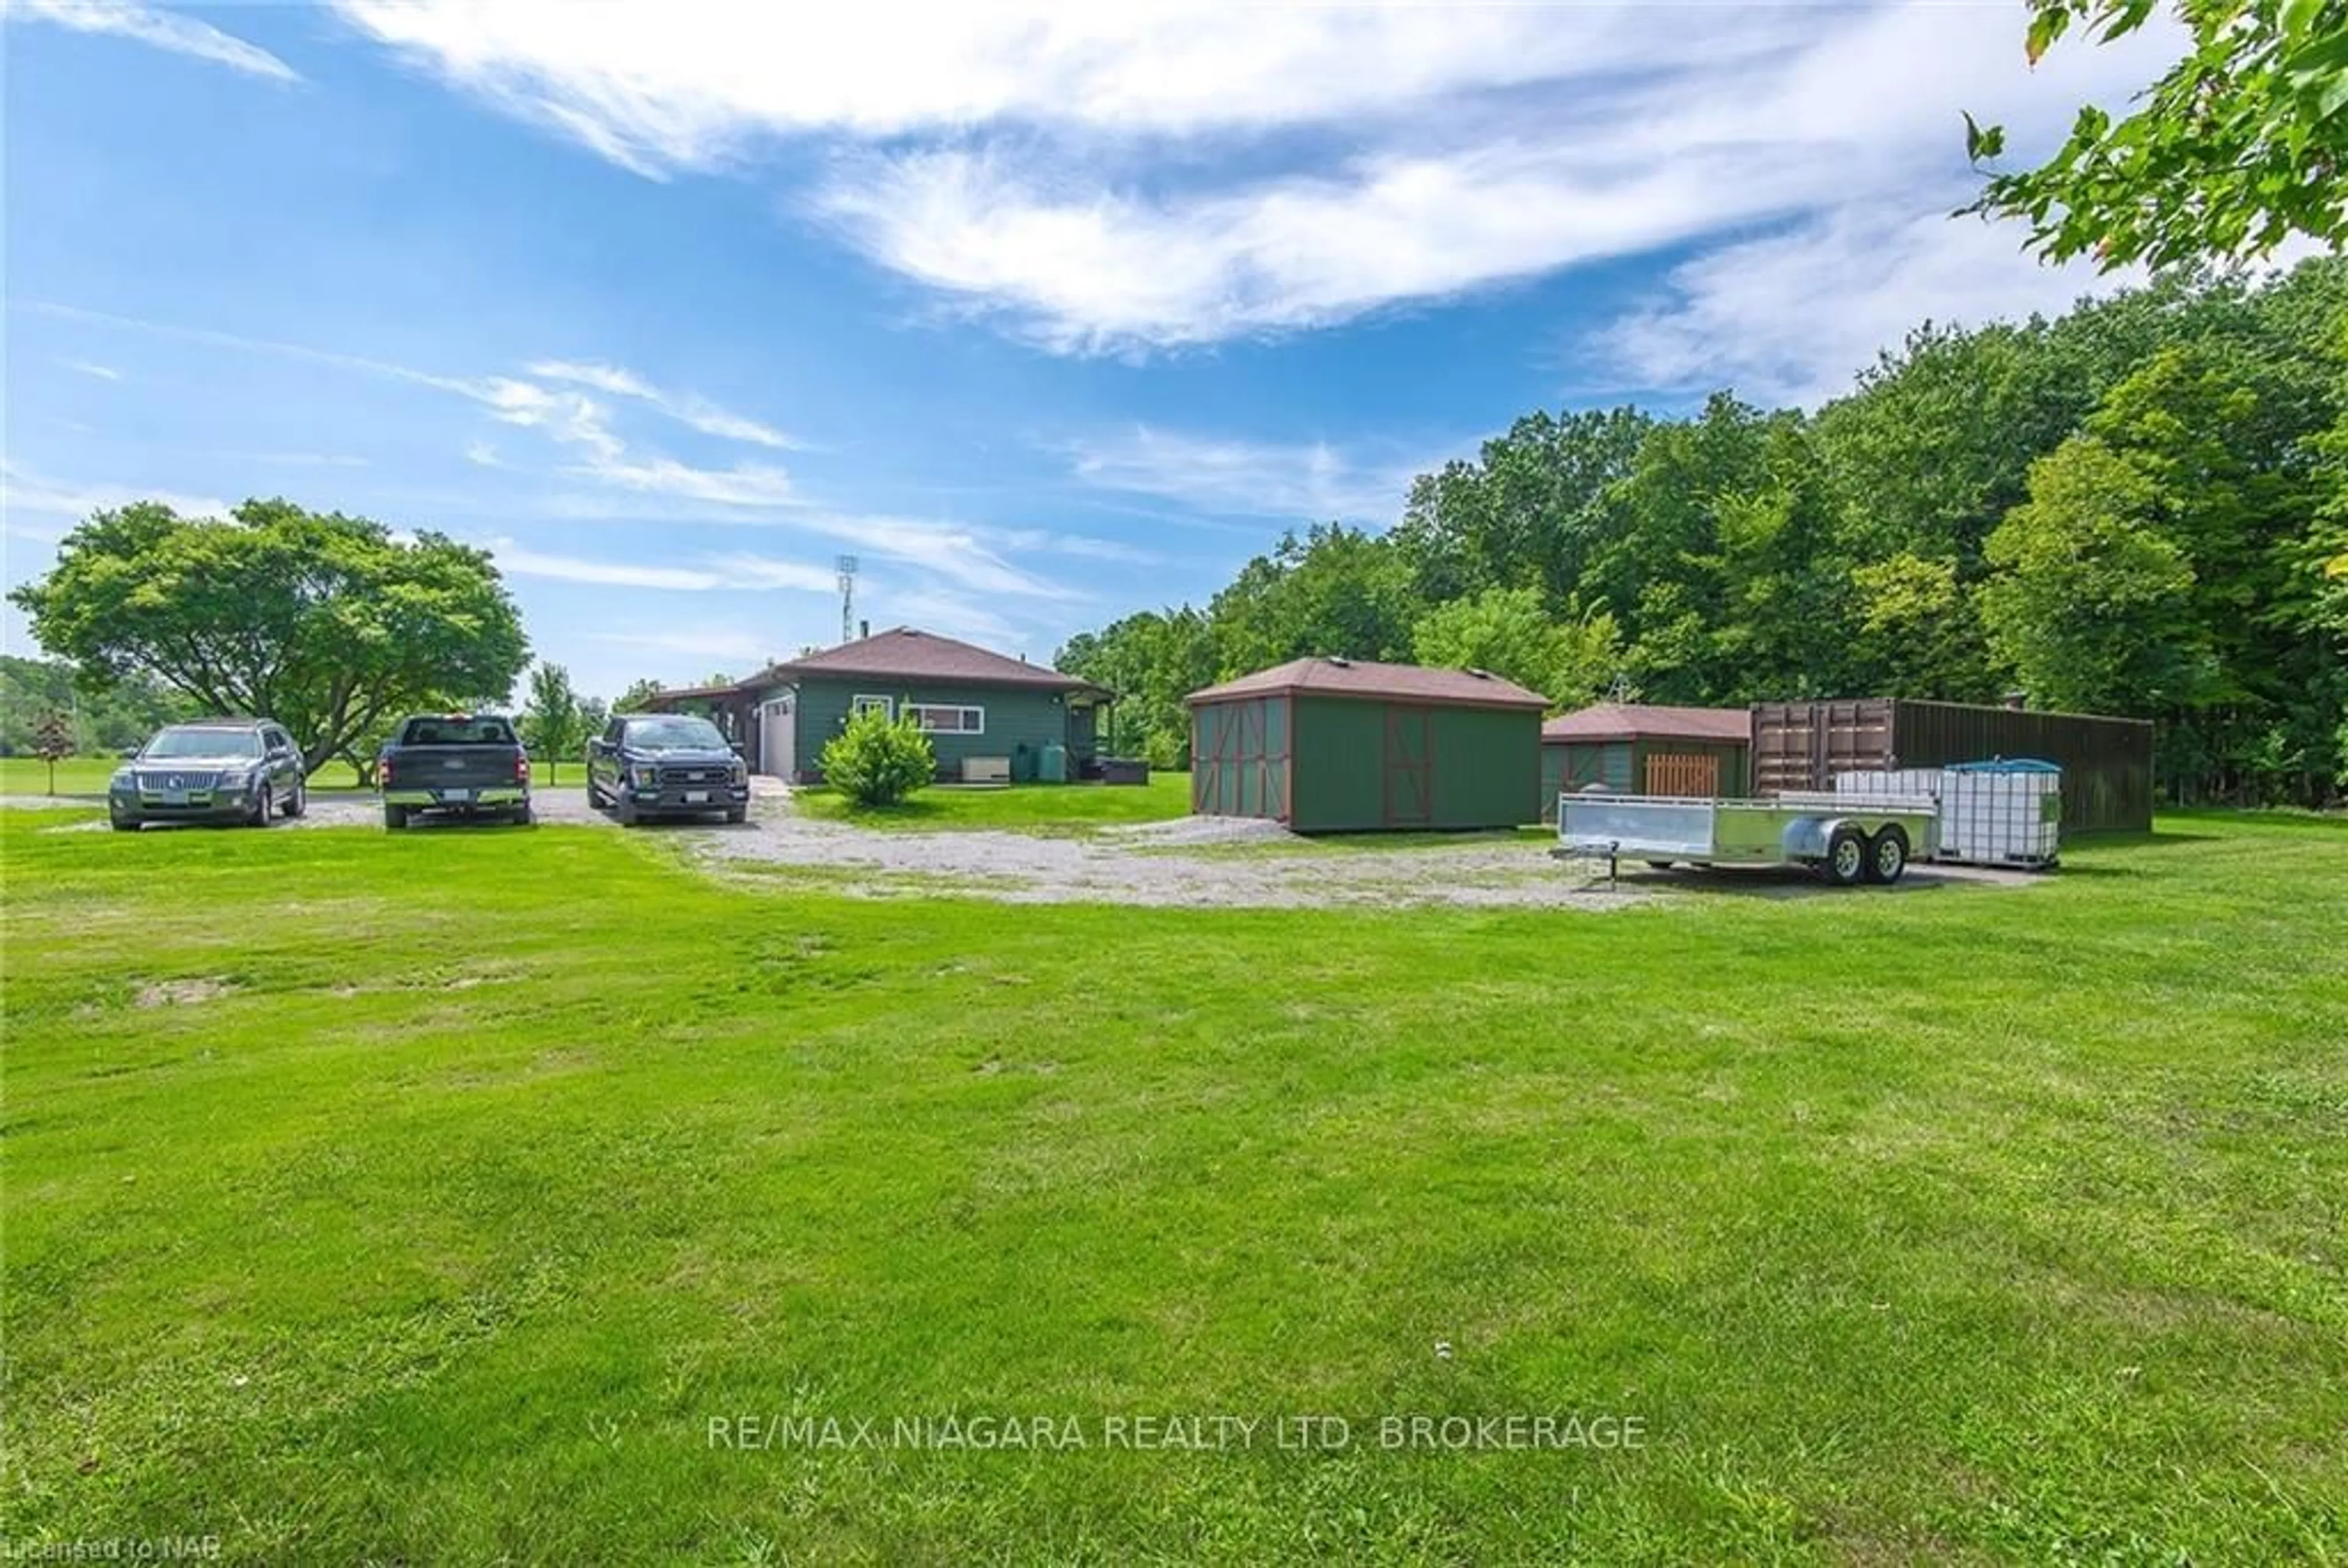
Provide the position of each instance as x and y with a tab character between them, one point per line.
468	765
666	764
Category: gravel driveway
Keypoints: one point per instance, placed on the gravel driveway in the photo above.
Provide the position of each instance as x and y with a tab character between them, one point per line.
1190	862
327	808
1210	863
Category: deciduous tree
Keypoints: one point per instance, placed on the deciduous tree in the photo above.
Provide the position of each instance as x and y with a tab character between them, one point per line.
551	724
54	741
1508	632
2240	146
326	623
2093	606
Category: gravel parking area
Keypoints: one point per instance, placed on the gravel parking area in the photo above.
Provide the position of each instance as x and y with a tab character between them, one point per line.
1223	863
327	808
1190	862
1220	865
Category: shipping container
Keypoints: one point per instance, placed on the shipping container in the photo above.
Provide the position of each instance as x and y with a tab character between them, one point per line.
2106	763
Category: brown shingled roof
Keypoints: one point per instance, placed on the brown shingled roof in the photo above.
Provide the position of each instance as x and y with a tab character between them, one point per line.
1630	722
1360	678
904	653
689	693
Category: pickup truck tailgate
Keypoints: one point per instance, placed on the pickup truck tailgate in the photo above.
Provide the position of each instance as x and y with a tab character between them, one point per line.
450	767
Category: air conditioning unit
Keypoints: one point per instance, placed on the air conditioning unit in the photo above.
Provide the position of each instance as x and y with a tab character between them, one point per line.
986	770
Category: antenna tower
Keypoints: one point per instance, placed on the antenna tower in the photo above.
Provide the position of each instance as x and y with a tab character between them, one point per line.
846	565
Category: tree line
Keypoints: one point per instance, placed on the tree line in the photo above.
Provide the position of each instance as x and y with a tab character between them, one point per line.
2139	508
33	691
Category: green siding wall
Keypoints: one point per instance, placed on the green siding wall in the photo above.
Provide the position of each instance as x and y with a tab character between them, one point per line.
1337	780
1622	766
1015	718
1576	764
1485	767
1365	765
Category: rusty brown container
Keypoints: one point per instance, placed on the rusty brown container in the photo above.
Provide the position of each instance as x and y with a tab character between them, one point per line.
2106	763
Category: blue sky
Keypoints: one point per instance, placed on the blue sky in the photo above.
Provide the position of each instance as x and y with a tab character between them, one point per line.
1047	316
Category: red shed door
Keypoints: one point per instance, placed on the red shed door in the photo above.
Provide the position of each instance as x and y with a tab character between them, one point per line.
1410	768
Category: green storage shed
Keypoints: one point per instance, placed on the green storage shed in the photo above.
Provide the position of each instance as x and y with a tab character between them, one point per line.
1344	745
1646	749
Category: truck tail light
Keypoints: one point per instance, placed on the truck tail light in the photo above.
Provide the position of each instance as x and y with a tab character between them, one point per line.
521	768
383	773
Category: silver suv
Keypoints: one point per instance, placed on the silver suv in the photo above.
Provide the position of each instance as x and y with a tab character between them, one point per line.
215	770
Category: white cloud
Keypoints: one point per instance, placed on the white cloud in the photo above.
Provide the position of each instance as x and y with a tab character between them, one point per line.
1104	179
571	418
957	552
518	561
733	572
765	572
21	490
212	338
1091	269
1082	546
1310	482
167	30
968	556
1792	317
602	378
942	610
742	485
687	408
99	372
661	88
564	404
560	411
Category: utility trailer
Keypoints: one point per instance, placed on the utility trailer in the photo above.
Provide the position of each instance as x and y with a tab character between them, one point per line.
1844	839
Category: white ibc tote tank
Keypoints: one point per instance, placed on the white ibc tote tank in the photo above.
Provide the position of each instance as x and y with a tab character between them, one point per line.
2008	812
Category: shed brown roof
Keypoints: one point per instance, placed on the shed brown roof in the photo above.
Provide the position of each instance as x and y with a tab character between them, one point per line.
1360	678
904	653
1631	720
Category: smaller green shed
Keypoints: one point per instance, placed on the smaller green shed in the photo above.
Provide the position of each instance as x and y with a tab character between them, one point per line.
1638	749
1341	745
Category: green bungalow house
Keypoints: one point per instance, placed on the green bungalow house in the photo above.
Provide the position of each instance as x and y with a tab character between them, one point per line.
988	716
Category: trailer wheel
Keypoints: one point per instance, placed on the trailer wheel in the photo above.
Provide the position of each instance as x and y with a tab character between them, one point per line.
1846	862
1887	854
1659	865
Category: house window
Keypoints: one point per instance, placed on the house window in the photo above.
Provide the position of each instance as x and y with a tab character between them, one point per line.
942	721
887	706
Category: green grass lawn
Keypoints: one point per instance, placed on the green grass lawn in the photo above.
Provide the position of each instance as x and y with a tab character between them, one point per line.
1018	808
88	775
426	1197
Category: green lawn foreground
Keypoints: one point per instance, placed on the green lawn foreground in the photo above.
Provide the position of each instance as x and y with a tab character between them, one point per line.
428	1198
1015	808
